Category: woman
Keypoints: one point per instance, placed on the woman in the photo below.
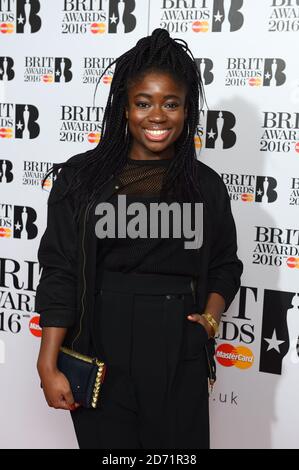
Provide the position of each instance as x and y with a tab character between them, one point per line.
147	305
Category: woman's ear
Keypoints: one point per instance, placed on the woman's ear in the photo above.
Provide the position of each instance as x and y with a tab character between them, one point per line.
127	113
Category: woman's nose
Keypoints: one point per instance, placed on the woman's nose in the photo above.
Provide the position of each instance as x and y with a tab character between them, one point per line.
157	115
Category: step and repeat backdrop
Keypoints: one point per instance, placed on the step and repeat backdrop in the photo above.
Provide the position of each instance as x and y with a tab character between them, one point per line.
51	55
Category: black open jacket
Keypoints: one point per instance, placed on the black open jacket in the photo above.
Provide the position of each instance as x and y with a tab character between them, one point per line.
67	253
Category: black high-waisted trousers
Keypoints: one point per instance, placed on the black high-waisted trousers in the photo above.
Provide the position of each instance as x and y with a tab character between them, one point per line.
155	392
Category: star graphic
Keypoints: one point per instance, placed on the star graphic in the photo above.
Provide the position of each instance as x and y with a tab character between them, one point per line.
218	16
267	75
273	343
19	126
113	18
259	192
211	134
18	226
57	73
21	19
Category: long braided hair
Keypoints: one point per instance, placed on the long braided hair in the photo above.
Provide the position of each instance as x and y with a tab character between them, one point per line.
155	53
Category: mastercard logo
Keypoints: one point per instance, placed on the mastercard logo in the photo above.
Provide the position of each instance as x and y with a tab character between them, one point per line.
240	357
197	142
34	327
107	79
93	137
47	183
6	132
98	28
47	78
255	81
5	232
6	28
293	262
247	197
297	147
200	26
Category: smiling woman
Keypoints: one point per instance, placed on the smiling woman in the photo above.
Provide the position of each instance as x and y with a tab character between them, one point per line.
156	113
147	306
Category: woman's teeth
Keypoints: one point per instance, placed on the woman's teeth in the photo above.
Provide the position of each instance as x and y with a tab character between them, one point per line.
156	132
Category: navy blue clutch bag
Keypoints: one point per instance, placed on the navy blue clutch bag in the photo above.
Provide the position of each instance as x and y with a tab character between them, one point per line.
85	375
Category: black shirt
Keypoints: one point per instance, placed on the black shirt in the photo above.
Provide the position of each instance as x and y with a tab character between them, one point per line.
141	181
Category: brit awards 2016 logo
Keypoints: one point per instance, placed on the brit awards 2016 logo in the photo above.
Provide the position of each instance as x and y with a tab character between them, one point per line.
250	188
255	71
205	67
6	174
276	247
19	16
18	121
284	16
34	173
280	132
294	192
98	17
279	344
7	72
215	130
201	16
93	67
81	123
17	222
47	69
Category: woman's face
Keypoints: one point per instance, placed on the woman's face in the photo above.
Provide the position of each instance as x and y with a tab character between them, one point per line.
156	102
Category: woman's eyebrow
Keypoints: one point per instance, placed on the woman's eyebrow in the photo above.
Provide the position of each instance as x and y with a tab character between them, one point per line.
150	96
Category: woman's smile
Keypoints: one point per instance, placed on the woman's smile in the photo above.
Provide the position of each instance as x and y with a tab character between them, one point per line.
157	135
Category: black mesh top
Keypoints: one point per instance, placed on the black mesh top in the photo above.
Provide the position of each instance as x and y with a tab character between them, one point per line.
141	181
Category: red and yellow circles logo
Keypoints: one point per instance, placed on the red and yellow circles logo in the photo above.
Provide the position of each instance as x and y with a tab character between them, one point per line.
98	28
48	78
247	197
297	147
256	81
228	356
34	326
94	137
5	232
293	262
6	28
197	142
6	133
107	79
200	26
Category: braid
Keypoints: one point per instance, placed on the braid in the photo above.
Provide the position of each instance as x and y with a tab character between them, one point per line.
156	53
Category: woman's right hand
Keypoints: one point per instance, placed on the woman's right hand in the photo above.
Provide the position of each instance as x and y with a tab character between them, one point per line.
57	390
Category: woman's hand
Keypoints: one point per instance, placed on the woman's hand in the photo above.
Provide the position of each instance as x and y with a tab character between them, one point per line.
200	319
57	390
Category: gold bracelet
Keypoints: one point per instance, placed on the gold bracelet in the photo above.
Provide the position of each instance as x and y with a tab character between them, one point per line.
212	322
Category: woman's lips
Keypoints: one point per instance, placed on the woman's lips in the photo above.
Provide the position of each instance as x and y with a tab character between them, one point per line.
156	136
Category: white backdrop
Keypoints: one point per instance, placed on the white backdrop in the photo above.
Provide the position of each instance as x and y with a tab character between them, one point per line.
50	58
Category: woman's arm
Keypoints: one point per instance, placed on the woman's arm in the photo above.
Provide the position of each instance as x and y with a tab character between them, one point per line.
56	292
215	306
55	385
52	339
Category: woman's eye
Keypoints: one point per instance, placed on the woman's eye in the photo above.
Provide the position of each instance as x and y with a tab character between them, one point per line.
172	105
175	105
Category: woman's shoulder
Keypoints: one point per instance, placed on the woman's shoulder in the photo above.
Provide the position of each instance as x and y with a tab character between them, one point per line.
64	174
209	178
73	162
